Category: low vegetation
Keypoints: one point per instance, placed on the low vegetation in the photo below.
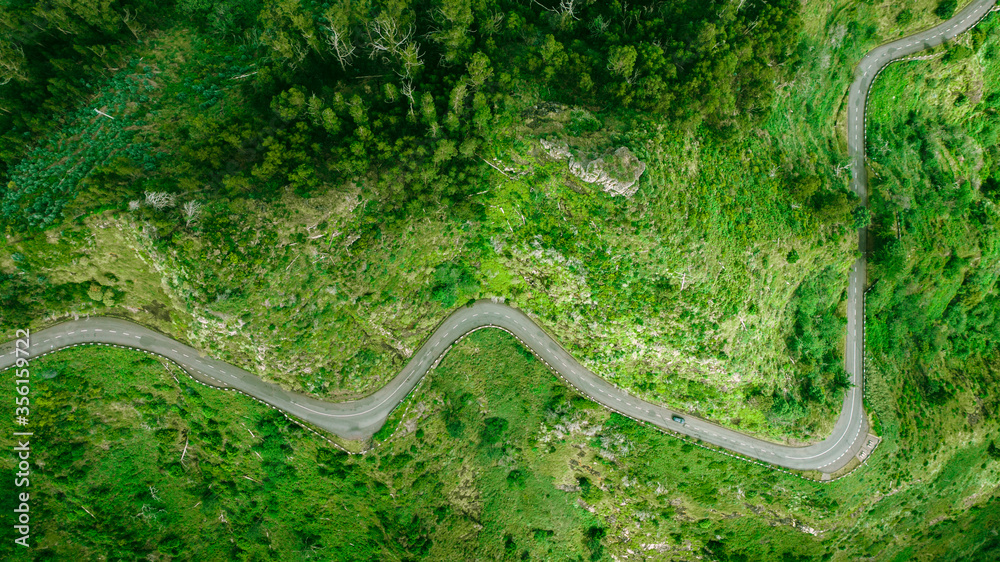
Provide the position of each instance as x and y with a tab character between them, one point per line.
932	312
495	458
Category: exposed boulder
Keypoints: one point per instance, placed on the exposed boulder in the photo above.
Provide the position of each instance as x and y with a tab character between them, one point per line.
616	172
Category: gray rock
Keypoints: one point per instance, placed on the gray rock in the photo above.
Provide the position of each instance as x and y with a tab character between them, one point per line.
617	173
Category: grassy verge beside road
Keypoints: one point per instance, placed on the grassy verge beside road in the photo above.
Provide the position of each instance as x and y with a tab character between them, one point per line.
495	458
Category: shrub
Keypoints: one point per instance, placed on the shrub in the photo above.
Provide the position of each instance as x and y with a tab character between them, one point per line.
494	430
516	478
946	8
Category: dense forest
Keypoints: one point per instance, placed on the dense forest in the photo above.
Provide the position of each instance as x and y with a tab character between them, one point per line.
407	95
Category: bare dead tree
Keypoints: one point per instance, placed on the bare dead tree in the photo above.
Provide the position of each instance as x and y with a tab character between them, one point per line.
160	200
565	12
407	90
129	19
385	36
567	8
192	211
340	45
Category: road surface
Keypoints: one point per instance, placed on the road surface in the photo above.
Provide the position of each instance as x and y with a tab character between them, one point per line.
852	421
360	419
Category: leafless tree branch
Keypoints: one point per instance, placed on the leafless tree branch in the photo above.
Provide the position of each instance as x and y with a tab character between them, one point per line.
341	46
160	200
192	211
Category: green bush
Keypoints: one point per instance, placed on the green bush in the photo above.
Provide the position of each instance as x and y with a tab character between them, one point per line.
493	430
516	478
993	451
450	281
946	8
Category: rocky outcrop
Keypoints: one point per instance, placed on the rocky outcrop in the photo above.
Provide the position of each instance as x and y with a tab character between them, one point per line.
617	173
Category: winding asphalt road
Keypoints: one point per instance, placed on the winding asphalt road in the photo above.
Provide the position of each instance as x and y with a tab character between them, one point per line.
360	419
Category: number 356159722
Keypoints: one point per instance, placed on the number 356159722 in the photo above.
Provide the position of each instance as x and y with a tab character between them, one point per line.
21	351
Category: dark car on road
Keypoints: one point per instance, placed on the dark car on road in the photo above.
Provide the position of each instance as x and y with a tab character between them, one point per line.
677	419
